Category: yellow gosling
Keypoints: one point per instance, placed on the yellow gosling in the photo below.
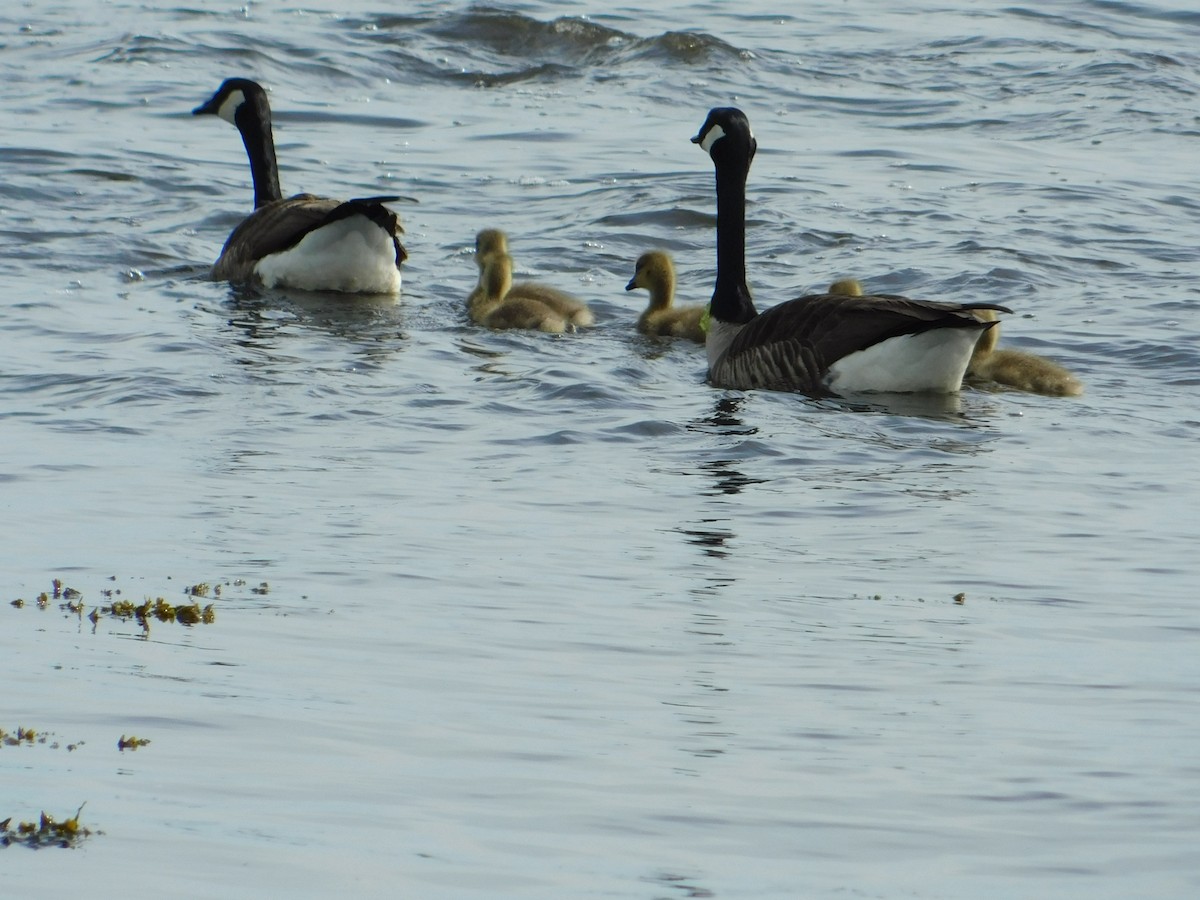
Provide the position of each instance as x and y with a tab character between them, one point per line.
490	304
849	287
1017	368
655	272
573	310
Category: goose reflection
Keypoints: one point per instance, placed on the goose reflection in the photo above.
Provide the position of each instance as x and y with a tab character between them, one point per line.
724	419
266	322
709	538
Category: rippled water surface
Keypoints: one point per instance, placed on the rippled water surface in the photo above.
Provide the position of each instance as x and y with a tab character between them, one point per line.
518	615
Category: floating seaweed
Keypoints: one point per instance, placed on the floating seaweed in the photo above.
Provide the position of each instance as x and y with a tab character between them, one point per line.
71	601
46	832
131	743
27	737
21	736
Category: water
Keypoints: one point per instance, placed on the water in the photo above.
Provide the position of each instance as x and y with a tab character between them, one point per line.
549	617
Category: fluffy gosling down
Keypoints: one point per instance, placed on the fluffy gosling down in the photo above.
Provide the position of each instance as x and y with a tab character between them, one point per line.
822	343
1011	368
497	303
573	311
491	306
303	242
1018	368
655	272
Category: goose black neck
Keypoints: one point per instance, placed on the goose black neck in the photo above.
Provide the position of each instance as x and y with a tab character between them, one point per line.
731	300
253	120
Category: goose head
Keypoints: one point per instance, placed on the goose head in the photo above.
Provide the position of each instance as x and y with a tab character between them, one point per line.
243	103
652	268
726	136
489	241
236	99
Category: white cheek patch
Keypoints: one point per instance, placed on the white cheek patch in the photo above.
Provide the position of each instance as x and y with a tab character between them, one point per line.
230	107
711	136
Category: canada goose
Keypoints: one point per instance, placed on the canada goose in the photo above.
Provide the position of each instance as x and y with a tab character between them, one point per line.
491	304
570	307
655	272
820	343
1018	369
303	242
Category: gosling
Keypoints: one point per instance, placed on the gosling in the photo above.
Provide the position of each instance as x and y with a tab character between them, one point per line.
655	272
574	311
491	305
1017	368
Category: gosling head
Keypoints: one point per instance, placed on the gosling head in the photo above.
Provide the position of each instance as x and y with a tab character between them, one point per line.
651	266
489	241
847	287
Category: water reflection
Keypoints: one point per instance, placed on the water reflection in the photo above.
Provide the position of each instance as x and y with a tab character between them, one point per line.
724	418
680	885
710	540
938	407
265	320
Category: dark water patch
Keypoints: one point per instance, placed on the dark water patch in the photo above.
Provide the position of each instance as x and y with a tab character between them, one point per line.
482	40
540	72
514	34
689	48
1139	11
674	217
340	118
536	137
1067	24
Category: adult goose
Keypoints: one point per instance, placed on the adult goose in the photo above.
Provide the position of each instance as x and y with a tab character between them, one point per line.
303	242
821	343
655	272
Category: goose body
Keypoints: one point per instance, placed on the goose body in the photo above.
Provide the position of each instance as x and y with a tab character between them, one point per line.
490	304
819	343
574	311
655	272
302	242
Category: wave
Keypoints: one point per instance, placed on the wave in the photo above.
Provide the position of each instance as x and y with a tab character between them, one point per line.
493	47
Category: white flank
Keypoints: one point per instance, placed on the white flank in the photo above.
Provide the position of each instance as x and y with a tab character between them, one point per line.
932	361
352	255
711	136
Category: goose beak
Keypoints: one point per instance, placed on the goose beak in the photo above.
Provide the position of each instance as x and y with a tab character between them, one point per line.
631	286
208	108
698	138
